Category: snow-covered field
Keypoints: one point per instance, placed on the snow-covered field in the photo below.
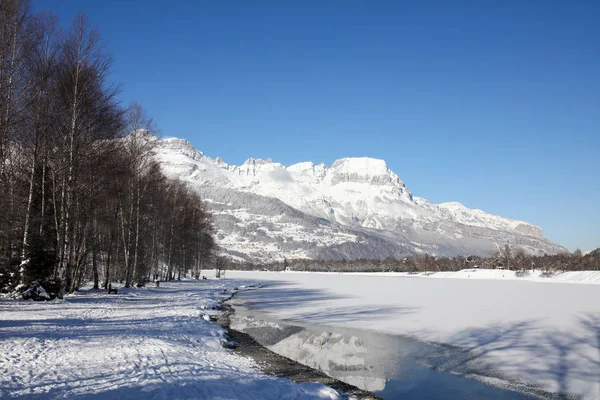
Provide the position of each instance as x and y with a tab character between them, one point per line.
542	330
153	343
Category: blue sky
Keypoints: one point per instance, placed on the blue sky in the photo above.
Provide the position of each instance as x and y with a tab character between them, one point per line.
493	104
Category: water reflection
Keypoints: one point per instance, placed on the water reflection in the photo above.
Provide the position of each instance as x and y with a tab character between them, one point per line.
345	357
388	365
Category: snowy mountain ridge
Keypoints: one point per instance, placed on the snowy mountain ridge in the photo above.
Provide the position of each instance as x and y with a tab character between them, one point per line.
356	207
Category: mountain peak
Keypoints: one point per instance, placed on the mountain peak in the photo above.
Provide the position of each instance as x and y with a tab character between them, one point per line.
364	166
358	207
257	161
453	205
372	171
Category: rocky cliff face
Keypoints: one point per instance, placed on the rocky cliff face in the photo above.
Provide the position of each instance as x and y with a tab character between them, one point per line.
355	208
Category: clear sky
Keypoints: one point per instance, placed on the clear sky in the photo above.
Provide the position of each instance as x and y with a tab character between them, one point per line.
495	104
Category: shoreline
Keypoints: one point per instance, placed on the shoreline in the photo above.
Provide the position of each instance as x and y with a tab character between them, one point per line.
274	364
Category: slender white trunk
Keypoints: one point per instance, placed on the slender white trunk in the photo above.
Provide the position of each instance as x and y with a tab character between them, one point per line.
43	194
28	209
137	229
171	229
56	224
26	224
125	248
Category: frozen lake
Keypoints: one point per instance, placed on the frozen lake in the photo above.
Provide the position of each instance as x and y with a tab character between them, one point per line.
505	332
391	366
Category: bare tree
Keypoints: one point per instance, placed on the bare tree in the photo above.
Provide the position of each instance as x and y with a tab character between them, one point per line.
37	135
13	92
506	255
138	147
88	113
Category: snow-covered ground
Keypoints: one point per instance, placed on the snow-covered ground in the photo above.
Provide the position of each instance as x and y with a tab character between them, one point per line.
141	343
542	330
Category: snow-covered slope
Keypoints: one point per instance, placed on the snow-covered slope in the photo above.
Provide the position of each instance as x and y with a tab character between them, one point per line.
356	208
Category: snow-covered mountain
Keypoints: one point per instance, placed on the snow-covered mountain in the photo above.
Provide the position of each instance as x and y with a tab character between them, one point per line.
593	253
356	208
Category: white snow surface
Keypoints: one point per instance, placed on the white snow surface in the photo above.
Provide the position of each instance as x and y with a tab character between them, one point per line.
153	343
539	329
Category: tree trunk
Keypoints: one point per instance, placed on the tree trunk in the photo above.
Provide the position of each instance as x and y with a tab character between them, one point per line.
94	241
56	225
43	195
137	230
28	211
95	269
107	270
126	239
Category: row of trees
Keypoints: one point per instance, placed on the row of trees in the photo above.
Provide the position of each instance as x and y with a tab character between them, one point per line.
80	194
506	258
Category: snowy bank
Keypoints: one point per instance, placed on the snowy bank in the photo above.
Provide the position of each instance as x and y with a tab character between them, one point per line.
142	343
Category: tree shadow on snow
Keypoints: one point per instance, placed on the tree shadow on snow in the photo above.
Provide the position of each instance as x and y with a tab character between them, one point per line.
274	298
354	314
558	358
93	313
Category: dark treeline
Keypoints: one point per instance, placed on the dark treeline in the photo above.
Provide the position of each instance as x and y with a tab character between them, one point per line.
80	195
505	259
